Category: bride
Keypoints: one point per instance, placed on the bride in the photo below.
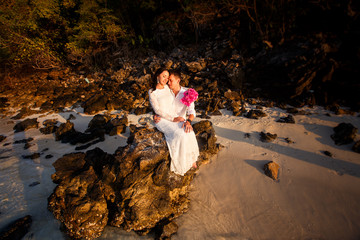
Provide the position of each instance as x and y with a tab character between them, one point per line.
183	147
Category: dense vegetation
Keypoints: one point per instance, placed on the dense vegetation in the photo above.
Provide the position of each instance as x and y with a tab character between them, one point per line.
45	34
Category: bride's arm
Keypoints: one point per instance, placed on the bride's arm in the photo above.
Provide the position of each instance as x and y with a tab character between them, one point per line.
155	105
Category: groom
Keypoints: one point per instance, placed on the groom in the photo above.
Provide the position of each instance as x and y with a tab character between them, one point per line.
181	109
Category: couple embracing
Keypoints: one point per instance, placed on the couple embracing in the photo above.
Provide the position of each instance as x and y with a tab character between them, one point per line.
173	118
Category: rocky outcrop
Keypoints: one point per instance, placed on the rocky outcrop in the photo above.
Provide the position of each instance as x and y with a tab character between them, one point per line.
132	189
344	133
97	128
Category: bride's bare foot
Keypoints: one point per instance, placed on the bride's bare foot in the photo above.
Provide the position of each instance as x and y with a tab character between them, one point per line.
194	165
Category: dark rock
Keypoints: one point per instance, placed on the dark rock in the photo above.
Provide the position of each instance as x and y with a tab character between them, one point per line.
26	124
288	140
95	104
98	121
295	111
65	132
27	140
356	147
116	126
48	129
271	170
2	138
132	189
71	117
205	135
28	145
32	156
247	135
34	184
232	95
267	137
327	153
255	114
141	110
168	230
345	133
17	229
288	119
49	156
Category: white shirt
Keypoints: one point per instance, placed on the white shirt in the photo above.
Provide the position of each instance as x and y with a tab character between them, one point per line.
181	109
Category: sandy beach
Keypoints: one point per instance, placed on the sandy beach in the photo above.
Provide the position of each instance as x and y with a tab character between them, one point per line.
315	197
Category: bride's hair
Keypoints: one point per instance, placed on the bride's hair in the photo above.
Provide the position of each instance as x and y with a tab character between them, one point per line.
155	76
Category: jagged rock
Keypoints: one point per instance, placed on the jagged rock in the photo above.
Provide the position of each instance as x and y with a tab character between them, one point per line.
98	121
356	147
232	95
116	126
271	170
49	126
345	133
17	229
168	230
64	131
2	138
26	124
132	189
196	66
288	119
95	104
267	137
255	114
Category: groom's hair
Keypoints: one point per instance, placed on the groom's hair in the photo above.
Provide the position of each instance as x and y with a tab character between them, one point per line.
176	73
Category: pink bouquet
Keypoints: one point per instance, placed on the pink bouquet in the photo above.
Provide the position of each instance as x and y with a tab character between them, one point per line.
190	96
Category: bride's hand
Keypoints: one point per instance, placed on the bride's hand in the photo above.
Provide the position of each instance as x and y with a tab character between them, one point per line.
179	119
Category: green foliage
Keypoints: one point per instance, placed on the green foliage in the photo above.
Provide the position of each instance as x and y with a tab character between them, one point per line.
48	33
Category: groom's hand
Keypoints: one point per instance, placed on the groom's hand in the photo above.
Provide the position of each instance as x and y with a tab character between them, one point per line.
157	118
187	126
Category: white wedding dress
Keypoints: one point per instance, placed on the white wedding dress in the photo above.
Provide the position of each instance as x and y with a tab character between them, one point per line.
183	147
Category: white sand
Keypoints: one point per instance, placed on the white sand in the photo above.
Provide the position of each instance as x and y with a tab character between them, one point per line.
316	196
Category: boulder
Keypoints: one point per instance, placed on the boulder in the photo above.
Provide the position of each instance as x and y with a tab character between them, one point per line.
65	131
344	133
17	229
95	104
132	189
271	170
49	126
267	137
26	124
255	114
288	119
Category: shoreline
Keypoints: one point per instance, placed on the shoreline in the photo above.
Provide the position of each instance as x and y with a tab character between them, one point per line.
316	196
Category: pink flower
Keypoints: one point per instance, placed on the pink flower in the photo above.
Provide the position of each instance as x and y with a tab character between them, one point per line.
190	96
